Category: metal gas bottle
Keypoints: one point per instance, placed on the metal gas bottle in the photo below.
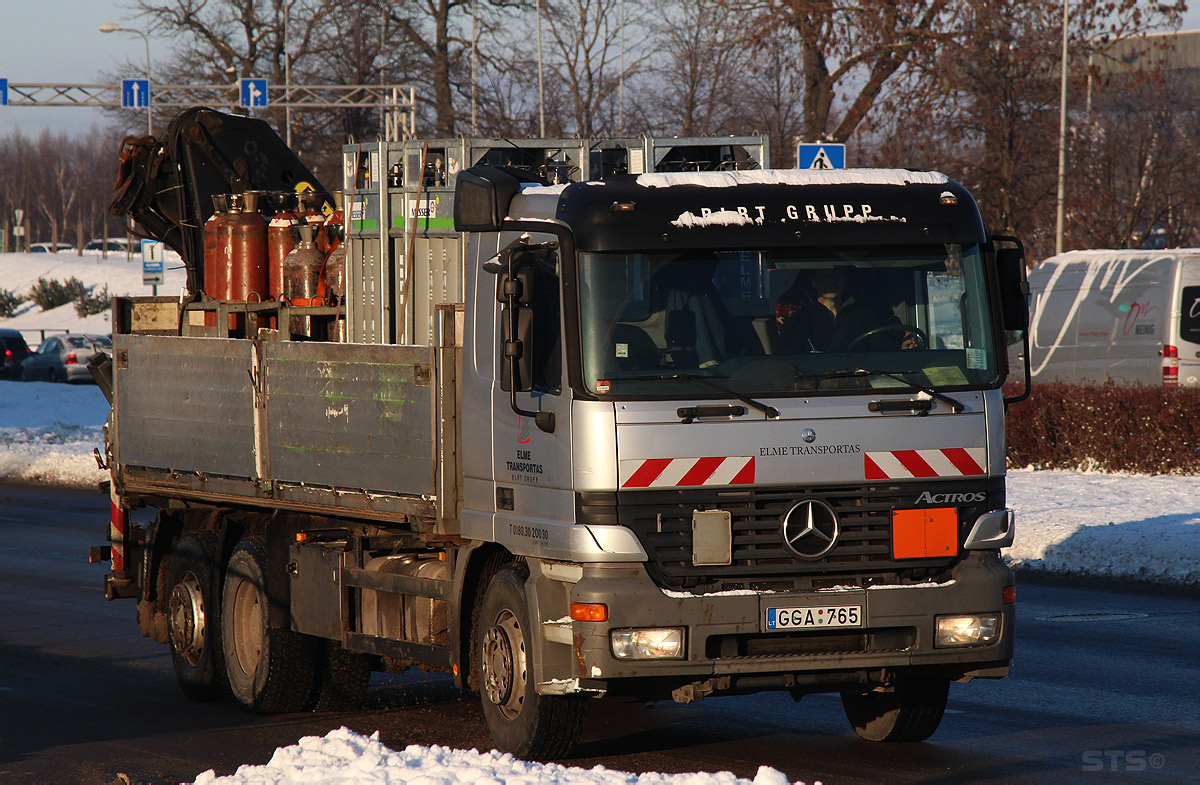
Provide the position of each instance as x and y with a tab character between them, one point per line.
223	260
283	236
248	250
301	279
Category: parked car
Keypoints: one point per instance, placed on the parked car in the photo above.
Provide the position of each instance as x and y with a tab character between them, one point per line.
13	350
115	245
64	358
50	248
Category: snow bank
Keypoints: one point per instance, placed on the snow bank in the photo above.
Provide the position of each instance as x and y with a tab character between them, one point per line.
1095	525
343	757
48	432
20	271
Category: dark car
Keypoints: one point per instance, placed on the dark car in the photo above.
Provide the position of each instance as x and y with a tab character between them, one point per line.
64	358
13	350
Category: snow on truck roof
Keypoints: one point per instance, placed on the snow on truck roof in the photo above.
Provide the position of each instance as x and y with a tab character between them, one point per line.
897	177
900	177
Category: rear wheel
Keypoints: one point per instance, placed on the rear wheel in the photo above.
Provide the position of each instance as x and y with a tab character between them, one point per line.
270	669
193	616
521	721
910	711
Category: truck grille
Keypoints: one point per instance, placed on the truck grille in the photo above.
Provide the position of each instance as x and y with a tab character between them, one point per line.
662	521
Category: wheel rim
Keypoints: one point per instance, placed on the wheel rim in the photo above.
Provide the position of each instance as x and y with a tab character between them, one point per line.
504	664
247	627
186	617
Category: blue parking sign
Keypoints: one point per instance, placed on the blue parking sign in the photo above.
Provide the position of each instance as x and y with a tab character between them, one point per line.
3	92
821	156
135	93
254	92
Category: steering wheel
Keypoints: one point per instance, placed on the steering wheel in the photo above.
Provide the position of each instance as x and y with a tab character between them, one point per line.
922	338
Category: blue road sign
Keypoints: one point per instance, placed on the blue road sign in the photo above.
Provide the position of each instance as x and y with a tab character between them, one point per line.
254	92
821	156
135	93
3	92
152	262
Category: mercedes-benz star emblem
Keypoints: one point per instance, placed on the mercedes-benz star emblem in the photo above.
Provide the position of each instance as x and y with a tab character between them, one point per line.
808	435
810	529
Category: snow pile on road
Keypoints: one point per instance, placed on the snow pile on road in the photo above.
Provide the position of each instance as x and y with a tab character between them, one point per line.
1107	525
20	271
343	757
48	432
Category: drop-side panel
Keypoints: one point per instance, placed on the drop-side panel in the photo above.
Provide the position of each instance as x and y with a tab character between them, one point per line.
351	416
185	404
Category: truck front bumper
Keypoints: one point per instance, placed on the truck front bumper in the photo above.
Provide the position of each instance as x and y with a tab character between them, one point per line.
727	647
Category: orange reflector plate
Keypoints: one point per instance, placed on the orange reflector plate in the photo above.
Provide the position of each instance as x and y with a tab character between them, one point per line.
582	611
1010	595
926	533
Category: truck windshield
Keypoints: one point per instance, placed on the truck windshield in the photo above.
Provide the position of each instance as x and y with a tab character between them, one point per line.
786	321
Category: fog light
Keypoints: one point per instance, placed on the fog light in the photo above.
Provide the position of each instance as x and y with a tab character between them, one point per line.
663	643
976	630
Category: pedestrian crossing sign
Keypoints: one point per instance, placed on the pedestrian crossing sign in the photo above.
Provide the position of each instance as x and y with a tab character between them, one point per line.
821	156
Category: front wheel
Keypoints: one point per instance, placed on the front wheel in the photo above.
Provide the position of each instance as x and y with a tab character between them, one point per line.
271	669
193	617
910	711
521	722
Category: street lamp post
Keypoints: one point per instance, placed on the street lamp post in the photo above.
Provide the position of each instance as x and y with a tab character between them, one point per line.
1062	142
115	28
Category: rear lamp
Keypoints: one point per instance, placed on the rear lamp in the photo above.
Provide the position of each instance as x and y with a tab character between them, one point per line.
656	643
72	359
979	629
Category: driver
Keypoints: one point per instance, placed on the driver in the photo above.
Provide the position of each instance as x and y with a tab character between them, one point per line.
816	315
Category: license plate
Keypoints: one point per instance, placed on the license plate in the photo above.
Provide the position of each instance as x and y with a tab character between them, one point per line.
814	617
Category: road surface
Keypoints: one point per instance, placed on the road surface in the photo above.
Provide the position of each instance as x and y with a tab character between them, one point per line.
1104	686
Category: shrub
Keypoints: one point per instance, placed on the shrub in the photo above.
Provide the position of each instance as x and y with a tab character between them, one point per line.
1144	430
51	293
93	302
9	302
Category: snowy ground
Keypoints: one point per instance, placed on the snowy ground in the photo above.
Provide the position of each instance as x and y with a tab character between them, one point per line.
344	757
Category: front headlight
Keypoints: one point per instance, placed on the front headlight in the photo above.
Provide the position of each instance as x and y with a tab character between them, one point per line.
978	629
661	643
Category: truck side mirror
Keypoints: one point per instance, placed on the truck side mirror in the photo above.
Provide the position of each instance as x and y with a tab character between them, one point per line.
516	292
1014	300
1014	288
482	195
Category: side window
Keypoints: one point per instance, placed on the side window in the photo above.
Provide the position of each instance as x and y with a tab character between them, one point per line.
547	325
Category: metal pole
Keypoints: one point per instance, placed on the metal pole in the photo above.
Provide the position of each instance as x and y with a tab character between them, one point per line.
541	80
474	67
1062	143
621	83
287	72
149	114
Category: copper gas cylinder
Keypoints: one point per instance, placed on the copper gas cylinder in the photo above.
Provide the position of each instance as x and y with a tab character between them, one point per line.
311	213
282	237
216	256
248	279
301	279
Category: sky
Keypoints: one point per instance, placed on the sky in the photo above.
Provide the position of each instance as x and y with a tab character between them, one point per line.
59	42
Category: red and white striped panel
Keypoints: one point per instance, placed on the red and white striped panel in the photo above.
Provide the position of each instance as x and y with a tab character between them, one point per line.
680	472
903	464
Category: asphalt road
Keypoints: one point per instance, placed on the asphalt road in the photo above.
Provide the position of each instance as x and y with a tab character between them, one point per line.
1104	687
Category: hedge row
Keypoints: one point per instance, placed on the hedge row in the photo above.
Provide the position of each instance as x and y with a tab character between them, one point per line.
1143	430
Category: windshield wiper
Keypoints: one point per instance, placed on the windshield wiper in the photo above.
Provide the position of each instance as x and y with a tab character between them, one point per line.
771	412
955	405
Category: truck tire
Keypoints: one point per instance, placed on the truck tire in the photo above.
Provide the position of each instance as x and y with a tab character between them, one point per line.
193	616
342	679
270	670
528	725
912	711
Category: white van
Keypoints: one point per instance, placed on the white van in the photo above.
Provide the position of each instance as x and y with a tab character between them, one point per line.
1130	317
